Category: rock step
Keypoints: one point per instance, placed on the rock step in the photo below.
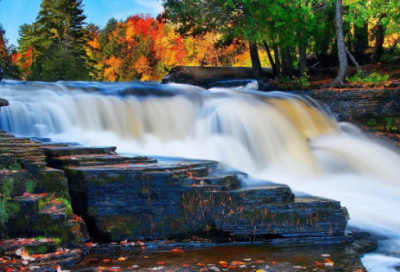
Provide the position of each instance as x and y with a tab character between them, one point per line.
30	203
33	167
6	135
34	151
222	181
14	140
97	160
33	245
6	159
71	151
18	145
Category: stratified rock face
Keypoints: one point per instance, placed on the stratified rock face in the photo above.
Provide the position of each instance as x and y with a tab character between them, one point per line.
34	198
359	105
375	111
147	199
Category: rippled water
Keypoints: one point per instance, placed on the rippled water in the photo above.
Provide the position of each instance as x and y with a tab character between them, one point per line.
274	136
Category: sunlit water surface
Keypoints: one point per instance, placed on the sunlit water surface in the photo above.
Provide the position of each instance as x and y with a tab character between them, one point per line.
272	136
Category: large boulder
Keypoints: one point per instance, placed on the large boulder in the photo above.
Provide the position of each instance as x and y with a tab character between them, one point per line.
208	77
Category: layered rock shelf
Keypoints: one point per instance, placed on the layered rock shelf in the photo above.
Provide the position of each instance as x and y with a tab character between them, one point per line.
142	198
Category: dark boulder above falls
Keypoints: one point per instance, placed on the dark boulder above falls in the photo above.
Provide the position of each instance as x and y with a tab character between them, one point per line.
142	198
3	103
208	77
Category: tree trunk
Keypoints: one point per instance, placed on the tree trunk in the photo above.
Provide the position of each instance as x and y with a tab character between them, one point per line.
362	74
340	80
271	60
255	59
302	58
277	60
380	39
287	64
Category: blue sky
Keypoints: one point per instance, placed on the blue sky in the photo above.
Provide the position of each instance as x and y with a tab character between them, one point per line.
14	13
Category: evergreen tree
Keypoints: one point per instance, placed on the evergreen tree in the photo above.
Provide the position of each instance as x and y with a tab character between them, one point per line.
61	24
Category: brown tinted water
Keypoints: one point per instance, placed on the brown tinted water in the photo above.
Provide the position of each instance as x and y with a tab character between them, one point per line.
237	258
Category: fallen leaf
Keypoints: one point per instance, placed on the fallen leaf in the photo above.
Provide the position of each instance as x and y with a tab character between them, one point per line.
185	265
328	261
121	259
201	264
160	263
247	260
106	260
260	261
124	242
318	264
177	250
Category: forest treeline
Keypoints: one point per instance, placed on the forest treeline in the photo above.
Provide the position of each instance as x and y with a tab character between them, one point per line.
61	45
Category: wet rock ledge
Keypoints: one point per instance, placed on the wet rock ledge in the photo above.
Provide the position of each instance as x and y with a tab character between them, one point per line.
142	198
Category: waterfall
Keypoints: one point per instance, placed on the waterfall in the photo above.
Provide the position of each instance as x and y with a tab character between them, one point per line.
272	136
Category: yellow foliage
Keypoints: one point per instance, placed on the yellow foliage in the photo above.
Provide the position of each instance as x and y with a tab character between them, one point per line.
111	73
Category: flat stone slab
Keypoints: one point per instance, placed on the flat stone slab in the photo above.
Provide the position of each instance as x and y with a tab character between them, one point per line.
68	151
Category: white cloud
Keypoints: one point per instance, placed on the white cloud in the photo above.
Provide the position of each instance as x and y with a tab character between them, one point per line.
154	5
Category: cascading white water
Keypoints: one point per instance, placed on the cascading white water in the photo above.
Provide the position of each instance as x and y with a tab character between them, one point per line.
278	137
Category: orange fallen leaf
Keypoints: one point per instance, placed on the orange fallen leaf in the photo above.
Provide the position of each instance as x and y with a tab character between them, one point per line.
106	260
77	218
89	244
319	264
274	262
160	263
222	262
260	261
121	259
237	263
186	265
200	264
13	261
177	250
328	261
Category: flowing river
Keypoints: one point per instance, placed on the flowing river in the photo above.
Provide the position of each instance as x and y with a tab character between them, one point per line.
272	136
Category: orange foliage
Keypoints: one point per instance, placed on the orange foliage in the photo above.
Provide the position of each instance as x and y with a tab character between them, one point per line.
112	72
